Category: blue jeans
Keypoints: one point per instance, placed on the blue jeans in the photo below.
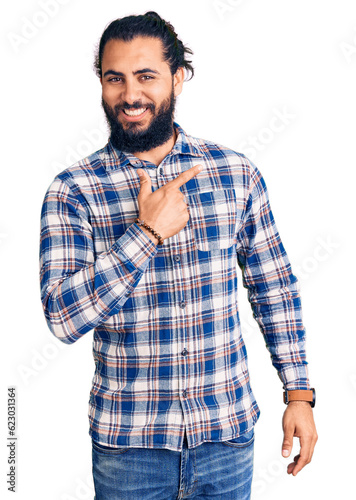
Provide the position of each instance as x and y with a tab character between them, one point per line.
211	470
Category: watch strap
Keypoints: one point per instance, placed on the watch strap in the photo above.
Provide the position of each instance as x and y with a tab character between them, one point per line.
300	395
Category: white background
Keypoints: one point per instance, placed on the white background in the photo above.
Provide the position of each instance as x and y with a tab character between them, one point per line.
255	60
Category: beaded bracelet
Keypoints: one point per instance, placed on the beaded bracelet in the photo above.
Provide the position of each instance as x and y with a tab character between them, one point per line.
142	223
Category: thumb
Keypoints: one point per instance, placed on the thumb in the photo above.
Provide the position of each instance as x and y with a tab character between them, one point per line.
145	182
287	443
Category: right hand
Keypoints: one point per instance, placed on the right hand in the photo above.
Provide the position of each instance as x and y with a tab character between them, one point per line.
164	209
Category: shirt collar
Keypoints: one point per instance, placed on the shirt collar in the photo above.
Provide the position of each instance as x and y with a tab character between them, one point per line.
184	145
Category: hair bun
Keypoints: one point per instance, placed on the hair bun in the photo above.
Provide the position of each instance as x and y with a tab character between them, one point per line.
153	14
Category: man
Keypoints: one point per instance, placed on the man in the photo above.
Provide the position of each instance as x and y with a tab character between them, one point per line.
139	242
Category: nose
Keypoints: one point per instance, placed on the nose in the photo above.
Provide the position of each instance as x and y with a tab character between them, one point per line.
131	92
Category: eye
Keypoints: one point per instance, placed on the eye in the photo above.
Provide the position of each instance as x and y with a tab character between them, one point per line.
115	79
147	77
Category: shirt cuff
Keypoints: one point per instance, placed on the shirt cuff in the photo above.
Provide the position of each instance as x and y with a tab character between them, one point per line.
135	248
295	376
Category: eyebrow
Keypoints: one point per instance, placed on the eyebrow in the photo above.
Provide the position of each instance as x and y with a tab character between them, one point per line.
138	72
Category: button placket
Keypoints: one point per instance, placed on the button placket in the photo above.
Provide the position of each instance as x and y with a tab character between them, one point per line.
173	246
182	339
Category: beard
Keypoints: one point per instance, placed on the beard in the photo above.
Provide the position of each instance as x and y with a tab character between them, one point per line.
131	139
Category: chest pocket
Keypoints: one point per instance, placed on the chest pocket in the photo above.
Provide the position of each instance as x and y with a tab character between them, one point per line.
213	219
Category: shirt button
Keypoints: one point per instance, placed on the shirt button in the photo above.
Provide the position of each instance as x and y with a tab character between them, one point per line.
184	352
160	170
185	393
182	305
177	258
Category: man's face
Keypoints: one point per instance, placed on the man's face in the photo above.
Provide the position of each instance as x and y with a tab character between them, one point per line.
138	93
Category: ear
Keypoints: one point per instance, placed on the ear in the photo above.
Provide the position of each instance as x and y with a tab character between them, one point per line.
178	80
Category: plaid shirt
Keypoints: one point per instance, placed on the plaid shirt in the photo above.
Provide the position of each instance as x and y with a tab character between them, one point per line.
167	343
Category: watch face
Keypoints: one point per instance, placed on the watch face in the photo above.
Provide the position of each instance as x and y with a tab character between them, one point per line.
314	398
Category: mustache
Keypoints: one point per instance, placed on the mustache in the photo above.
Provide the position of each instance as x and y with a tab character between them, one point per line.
135	105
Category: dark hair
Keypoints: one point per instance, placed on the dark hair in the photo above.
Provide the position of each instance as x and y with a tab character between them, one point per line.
150	25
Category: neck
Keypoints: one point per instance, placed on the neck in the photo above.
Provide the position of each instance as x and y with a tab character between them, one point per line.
156	155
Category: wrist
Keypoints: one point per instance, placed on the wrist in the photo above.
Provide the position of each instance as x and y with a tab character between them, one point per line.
151	233
299	403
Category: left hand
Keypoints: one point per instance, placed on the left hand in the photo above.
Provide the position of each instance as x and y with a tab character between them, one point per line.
298	421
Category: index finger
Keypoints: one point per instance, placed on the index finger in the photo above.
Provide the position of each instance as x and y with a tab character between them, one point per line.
305	454
185	176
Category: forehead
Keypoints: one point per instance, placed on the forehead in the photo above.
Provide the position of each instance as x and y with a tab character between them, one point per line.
136	54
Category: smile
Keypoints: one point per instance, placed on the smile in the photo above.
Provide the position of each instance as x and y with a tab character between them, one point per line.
135	112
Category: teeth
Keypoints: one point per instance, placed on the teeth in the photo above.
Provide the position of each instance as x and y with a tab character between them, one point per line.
134	112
